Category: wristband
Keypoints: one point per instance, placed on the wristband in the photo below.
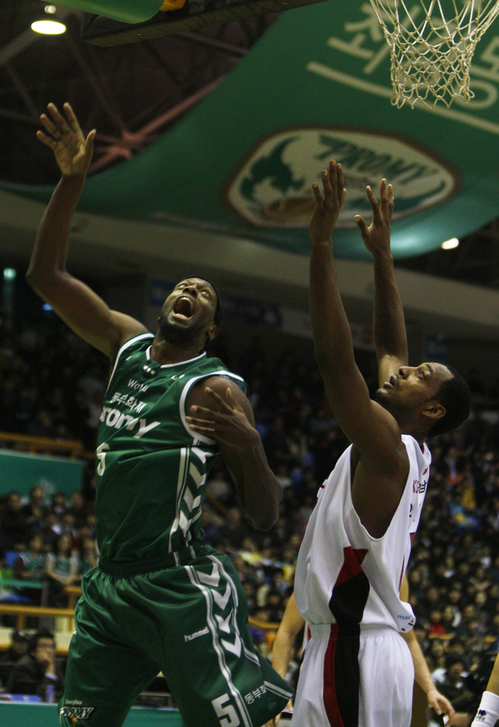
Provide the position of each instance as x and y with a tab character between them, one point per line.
488	711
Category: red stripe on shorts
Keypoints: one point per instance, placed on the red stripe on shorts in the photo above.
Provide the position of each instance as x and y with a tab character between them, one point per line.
329	688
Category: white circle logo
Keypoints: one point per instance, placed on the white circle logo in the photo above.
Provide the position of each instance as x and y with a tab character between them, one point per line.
273	187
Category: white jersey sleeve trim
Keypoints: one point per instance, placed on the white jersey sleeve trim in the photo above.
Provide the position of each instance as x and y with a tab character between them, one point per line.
196	436
127	344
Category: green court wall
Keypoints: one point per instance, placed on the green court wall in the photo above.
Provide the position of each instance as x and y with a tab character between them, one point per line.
45	715
20	471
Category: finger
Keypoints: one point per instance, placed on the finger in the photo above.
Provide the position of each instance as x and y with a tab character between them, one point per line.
383	198
71	118
217	398
340	181
333	179
317	194
391	202
361	224
326	183
205	430
50	127
199	422
203	412
58	118
46	140
374	205
89	143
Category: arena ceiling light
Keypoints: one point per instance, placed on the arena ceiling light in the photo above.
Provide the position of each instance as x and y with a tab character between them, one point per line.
47	25
450	244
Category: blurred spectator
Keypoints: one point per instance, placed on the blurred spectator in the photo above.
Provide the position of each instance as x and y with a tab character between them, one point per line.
49	530
88	557
38	671
61	569
437	660
34	509
58	503
234	529
13	525
453	684
30	566
78	509
436	626
17	649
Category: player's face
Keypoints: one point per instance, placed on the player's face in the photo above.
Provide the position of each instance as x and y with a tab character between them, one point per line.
412	386
189	311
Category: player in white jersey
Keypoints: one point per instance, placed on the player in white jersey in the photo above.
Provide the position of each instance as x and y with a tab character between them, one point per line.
358	672
292	623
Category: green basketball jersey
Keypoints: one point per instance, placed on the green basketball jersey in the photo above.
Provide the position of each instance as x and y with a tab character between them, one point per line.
34	564
151	468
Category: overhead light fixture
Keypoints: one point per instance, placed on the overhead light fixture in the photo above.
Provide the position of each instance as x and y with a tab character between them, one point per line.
47	26
9	274
450	244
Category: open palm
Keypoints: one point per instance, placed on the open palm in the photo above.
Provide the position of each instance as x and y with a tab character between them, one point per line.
73	153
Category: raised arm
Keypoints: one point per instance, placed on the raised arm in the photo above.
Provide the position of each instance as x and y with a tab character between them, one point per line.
371	428
219	409
388	321
78	306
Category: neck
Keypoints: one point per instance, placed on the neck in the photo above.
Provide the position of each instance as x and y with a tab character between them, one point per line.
166	352
409	427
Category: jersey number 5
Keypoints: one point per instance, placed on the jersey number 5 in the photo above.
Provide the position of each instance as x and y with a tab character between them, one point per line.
227	715
100	453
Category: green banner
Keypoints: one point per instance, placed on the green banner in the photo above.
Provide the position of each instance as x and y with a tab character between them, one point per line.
317	86
21	471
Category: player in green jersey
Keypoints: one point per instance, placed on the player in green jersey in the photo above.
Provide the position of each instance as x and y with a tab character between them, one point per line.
158	600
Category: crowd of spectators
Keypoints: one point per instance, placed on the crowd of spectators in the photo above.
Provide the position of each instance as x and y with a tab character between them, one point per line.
454	569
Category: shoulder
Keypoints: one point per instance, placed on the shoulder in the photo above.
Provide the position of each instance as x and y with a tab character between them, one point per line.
219	383
138	341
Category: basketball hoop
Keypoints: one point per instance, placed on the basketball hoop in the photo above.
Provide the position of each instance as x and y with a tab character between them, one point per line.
431	45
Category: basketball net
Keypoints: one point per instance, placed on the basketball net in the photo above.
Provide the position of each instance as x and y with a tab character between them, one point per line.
431	45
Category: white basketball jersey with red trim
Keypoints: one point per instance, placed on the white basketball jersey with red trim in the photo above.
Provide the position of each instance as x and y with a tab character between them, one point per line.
343	574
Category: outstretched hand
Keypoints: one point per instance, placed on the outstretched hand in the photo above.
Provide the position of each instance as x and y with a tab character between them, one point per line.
73	153
227	423
376	237
328	204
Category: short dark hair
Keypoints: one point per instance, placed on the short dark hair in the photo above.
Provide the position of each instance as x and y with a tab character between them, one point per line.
454	659
455	395
42	633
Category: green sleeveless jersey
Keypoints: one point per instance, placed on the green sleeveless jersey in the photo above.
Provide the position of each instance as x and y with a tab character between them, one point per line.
34	564
151	468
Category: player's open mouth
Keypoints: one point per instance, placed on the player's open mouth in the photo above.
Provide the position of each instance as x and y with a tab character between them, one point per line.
183	307
389	384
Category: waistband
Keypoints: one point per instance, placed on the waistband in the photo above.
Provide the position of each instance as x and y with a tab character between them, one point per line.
122	569
322	630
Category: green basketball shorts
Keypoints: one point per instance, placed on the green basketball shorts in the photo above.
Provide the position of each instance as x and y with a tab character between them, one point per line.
188	621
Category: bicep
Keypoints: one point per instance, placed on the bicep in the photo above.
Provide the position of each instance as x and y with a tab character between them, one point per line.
88	315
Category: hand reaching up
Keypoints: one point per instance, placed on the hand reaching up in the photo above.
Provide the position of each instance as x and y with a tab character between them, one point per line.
73	153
